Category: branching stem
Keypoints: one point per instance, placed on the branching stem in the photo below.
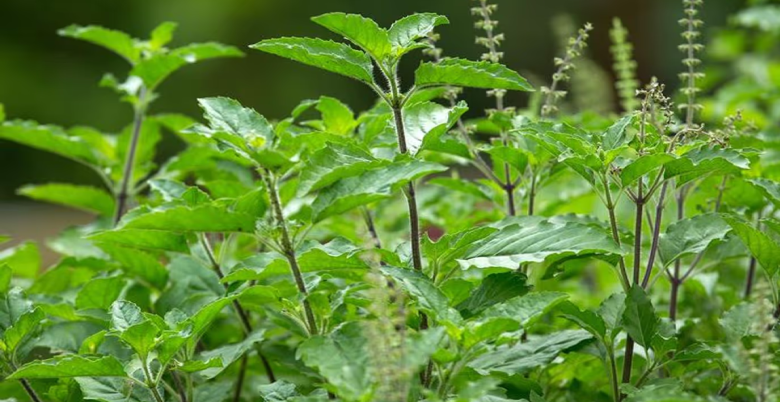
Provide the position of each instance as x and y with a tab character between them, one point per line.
289	250
243	316
132	147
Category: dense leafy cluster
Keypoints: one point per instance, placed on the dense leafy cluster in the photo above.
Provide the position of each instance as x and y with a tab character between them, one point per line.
334	255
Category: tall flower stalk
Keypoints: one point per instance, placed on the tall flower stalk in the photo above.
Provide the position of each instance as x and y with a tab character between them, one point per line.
491	41
553	94
690	76
624	66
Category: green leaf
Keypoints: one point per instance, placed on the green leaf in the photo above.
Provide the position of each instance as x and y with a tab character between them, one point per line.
336	116
706	160
428	120
642	166
116	41
611	311
525	309
226	115
279	391
207	314
23	259
494	289
361	31
162	35
691	236
586	319
212	217
112	389
452	246
86	198
327	55
369	187
143	239
759	244
765	17
533	239
668	390
405	32
466	73
335	162
22	330
141	337
13	305
71	366
526	356
639	318
193	285
125	314
6	273
138	263
515	157
463	186
770	189
421	346
617	134
338	254
100	293
738	321
158	67
229	354
429	298
342	358
49	138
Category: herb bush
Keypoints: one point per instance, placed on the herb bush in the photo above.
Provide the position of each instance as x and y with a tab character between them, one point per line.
597	255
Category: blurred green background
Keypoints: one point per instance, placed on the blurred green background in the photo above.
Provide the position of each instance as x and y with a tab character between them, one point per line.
51	79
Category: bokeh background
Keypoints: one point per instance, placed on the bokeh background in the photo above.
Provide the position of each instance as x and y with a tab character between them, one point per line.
51	79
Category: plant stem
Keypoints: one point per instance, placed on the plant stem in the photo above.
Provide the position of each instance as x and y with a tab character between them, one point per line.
240	380
750	277
243	316
659	211
751	268
25	384
640	203
411	197
614	375
676	280
289	250
628	357
674	294
179	386
372	228
149	383
190	388
628	360
532	194
721	189
30	391
414	220
127	172
615	234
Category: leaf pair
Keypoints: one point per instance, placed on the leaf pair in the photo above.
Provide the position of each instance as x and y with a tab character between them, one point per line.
386	48
151	61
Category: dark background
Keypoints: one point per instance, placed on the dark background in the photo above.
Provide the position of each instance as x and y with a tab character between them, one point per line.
53	80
